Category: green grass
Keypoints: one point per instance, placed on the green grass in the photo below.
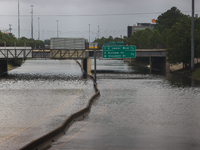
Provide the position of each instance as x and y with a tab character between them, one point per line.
10	67
196	74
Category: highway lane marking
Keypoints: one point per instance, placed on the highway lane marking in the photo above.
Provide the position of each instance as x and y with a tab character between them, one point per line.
90	121
43	117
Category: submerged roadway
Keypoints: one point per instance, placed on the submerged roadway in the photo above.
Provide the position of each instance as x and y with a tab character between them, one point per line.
136	111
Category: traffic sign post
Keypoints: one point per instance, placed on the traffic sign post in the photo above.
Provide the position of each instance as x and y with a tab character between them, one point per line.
119	51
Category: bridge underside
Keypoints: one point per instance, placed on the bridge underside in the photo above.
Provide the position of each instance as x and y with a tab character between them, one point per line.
159	64
3	68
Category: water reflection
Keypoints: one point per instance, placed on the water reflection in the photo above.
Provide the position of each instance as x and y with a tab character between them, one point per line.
118	69
35	90
147	110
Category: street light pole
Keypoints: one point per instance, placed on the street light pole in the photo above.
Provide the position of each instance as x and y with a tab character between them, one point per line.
32	22
95	77
98	32
18	21
89	32
192	38
10	28
38	28
57	28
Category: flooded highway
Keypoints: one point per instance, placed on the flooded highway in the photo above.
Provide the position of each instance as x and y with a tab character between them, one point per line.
136	111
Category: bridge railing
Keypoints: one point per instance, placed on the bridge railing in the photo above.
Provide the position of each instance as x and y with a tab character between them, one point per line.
15	52
59	54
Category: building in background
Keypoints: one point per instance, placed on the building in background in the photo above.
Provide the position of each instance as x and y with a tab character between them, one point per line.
140	26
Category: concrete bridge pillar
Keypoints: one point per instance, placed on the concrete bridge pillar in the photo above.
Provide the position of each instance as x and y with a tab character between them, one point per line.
3	67
159	64
86	65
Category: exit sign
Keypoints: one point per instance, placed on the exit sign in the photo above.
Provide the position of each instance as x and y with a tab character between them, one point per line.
119	51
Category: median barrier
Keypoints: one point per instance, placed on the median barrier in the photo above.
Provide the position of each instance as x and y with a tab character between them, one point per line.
47	139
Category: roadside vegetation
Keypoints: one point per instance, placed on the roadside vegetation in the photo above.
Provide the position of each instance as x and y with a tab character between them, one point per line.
11	40
196	73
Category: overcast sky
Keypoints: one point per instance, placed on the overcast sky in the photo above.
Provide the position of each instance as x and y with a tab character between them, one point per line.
74	16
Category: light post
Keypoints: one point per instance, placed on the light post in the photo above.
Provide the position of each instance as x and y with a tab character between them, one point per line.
89	32
57	28
98	32
38	28
10	28
95	77
32	22
18	21
192	38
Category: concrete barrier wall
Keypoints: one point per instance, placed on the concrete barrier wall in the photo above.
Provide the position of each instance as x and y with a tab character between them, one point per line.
52	136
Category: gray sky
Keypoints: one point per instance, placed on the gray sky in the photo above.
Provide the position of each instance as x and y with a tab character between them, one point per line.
75	16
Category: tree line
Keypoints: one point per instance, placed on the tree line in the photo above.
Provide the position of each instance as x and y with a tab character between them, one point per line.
172	32
10	40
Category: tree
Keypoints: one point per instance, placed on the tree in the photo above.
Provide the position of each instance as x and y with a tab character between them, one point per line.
164	35
39	44
135	39
141	38
168	19
179	43
155	39
47	41
145	38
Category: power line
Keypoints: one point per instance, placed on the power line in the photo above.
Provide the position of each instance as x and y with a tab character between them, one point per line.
94	15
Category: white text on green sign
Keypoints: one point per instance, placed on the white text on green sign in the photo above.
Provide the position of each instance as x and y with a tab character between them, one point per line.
119	52
121	48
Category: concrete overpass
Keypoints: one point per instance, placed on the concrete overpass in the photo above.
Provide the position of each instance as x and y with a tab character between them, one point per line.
157	56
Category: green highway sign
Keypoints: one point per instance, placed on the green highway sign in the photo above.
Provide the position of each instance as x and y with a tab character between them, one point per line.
119	51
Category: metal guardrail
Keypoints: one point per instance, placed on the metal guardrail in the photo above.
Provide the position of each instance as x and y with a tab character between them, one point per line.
41	53
59	54
28	52
67	54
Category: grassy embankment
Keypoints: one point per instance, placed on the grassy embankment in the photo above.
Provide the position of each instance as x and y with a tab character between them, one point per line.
193	74
14	63
10	67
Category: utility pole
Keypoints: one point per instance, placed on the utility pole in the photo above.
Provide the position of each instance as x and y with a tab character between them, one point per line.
18	22
95	77
57	28
89	32
98	32
32	22
192	38
38	28
10	27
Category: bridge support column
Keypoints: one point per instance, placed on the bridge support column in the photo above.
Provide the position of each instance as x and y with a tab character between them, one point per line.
159	64
3	67
86	65
167	67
